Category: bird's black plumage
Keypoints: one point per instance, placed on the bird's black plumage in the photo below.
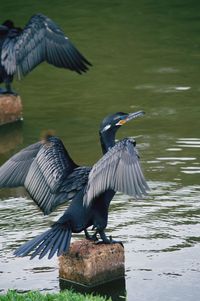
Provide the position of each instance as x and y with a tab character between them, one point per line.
51	177
21	50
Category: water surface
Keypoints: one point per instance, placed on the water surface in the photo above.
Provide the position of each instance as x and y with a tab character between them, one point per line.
146	57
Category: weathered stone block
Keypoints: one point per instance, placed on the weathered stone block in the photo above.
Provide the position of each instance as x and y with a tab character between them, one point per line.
10	108
91	264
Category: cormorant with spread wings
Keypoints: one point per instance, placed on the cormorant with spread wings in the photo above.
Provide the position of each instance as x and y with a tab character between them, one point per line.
21	50
51	178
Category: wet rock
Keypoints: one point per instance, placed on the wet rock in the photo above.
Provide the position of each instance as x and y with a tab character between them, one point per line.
10	108
92	264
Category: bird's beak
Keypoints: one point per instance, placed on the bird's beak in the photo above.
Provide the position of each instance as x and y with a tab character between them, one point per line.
131	116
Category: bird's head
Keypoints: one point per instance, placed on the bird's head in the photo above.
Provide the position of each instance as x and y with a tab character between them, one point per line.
9	24
5	27
115	121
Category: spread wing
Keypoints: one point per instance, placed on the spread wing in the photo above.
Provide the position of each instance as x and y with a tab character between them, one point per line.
47	172
118	169
14	171
53	177
41	40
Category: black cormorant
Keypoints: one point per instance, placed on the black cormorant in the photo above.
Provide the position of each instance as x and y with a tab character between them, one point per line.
51	178
21	50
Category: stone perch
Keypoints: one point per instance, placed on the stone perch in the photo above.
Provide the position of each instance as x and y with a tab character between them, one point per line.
91	264
10	108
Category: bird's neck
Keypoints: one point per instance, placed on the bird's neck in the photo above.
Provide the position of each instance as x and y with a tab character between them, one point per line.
107	140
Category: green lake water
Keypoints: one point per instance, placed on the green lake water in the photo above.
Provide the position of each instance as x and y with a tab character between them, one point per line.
145	56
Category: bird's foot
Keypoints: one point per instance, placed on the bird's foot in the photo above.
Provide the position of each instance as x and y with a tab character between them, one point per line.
4	91
106	240
11	92
91	237
109	240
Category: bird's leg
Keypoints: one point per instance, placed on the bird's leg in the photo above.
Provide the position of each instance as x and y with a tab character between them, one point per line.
8	89
106	240
91	237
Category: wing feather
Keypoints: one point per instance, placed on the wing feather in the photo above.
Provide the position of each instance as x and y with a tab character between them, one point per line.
47	172
41	40
118	169
14	171
53	177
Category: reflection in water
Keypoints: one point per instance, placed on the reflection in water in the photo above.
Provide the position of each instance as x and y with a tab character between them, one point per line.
191	170
162	88
161	70
11	136
184	143
115	289
188	142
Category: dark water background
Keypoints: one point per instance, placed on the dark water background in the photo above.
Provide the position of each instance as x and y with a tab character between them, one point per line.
146	55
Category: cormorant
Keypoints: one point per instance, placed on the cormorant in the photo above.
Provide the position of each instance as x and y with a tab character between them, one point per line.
21	50
51	178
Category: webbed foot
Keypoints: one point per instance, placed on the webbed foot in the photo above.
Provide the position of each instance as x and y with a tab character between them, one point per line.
106	240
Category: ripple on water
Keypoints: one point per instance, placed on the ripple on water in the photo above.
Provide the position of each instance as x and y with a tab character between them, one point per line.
152	229
175	149
190	170
162	88
188	142
176	158
164	70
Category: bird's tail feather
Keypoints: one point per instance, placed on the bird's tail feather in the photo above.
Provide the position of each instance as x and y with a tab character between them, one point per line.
57	239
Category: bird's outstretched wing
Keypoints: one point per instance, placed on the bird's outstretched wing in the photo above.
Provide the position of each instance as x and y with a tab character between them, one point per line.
47	172
14	171
118	169
40	40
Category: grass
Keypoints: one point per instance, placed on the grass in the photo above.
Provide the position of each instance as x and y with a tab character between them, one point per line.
37	296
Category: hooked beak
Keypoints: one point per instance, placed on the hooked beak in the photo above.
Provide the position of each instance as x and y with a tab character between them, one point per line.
130	116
